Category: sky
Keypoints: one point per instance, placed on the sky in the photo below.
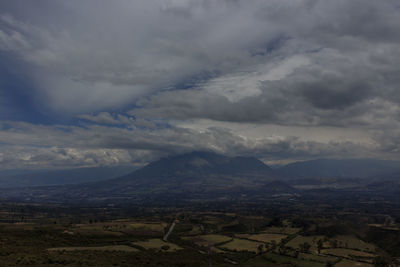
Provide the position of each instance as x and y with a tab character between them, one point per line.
101	83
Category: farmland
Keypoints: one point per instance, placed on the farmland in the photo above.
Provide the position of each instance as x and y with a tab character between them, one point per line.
198	238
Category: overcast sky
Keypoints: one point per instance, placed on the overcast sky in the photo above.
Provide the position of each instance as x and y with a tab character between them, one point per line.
96	82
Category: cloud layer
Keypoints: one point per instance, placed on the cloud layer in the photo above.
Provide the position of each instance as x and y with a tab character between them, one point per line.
135	80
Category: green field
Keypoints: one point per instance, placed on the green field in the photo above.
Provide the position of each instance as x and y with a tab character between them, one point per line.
344	252
282	259
241	245
349	241
266	238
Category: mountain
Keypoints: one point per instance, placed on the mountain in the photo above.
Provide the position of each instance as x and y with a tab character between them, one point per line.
193	175
200	176
340	168
196	172
61	177
203	163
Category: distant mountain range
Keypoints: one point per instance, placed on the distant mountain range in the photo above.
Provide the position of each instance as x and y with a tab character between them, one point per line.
193	175
202	175
61	177
340	168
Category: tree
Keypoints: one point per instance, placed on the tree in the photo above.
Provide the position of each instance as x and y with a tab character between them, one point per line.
296	253
334	243
260	248
382	261
320	245
273	244
305	247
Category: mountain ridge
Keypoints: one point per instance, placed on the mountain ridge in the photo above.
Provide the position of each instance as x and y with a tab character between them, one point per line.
344	168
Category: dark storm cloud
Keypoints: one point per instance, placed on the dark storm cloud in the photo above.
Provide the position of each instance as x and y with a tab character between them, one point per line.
116	67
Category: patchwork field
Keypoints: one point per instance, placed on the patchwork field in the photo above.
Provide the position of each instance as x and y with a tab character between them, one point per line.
236	240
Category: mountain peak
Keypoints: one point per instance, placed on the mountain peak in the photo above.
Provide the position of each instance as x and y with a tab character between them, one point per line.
200	163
